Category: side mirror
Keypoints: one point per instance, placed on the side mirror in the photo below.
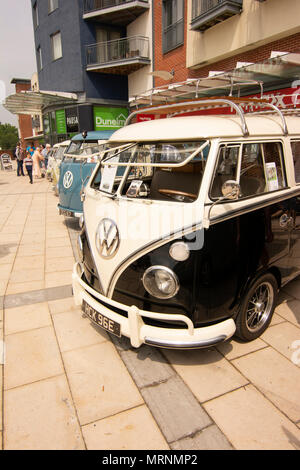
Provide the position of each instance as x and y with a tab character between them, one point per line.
231	190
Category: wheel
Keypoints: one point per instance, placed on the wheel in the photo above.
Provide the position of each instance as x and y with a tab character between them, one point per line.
257	308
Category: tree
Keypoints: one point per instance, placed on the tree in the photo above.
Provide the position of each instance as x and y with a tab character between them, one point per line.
8	136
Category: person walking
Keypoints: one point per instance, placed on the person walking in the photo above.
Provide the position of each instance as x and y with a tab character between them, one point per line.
19	156
37	159
28	163
45	153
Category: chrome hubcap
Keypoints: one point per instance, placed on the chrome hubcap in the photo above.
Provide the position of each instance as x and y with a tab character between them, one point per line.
259	306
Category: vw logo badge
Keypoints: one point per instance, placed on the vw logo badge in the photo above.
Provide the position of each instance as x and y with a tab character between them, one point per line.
68	179
107	238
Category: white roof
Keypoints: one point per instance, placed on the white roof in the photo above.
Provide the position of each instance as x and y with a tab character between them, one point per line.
62	144
204	127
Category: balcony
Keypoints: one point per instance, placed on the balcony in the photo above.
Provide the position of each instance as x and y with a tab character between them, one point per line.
207	13
120	56
114	12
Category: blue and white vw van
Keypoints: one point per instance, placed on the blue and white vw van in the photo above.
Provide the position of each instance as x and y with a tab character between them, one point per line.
192	242
76	168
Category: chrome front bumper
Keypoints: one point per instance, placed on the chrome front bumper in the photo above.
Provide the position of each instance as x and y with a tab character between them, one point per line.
138	332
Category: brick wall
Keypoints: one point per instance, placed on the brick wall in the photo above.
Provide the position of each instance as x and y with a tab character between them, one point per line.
288	44
173	60
176	59
24	120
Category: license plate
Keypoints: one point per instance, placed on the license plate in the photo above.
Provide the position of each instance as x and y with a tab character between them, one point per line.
106	323
66	213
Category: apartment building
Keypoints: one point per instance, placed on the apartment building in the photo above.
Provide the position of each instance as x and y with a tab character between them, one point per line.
98	51
195	38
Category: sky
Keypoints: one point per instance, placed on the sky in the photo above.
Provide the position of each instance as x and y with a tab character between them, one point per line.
17	50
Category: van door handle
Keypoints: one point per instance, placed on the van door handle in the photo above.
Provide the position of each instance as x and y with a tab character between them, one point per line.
285	220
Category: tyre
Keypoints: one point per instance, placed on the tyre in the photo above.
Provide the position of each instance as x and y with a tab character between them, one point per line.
257	308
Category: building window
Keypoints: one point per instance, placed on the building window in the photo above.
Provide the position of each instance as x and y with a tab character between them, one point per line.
35	16
173	24
52	5
56	46
39	58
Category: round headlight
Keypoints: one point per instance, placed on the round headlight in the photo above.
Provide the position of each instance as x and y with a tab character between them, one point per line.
179	251
161	282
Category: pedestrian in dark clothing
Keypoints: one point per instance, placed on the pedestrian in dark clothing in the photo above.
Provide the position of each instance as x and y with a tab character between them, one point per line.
28	165
19	155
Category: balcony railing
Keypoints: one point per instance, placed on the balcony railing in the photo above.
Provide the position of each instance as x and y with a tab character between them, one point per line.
92	5
207	13
118	53
120	12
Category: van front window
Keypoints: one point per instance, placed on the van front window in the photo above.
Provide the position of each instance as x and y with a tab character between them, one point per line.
82	149
155	170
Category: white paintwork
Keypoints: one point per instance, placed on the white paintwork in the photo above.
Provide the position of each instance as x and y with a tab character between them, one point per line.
203	127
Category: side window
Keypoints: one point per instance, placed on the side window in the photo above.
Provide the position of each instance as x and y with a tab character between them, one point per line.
261	168
252	175
226	169
296	157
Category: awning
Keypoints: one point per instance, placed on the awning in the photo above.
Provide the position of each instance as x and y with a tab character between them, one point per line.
270	74
35	137
32	102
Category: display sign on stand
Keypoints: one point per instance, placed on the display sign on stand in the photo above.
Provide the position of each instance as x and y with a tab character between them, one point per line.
6	162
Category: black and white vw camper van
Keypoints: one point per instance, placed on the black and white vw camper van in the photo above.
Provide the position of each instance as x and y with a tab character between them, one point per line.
191	226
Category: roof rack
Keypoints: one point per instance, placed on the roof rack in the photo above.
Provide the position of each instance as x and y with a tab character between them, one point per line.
174	109
193	88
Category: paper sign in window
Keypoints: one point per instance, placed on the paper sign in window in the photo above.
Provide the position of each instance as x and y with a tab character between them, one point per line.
272	178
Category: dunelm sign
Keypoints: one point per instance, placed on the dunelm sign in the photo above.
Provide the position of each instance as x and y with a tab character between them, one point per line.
109	118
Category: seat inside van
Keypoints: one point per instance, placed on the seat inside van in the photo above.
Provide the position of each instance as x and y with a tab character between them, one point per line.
182	181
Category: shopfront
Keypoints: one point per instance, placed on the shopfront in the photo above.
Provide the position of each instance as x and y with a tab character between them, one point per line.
62	124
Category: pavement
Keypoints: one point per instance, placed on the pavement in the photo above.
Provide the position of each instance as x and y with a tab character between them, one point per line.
68	385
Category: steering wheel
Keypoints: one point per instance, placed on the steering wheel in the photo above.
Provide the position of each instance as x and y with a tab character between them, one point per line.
179	195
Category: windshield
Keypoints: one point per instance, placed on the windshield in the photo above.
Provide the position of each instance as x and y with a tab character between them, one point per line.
59	153
82	149
155	170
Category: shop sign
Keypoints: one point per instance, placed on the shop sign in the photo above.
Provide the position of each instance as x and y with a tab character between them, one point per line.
60	116
46	123
145	117
109	118
72	119
285	98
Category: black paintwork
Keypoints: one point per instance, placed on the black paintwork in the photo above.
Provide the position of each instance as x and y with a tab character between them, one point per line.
214	278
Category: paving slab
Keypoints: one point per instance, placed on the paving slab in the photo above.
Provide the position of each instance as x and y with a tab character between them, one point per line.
283	337
133	429
175	409
41	416
206	372
31	356
211	438
27	317
276	377
73	331
251	422
100	383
